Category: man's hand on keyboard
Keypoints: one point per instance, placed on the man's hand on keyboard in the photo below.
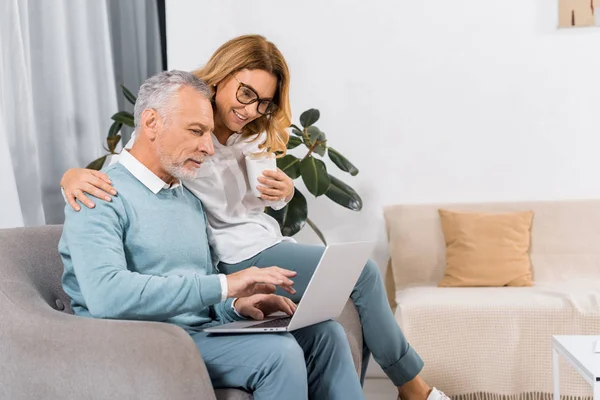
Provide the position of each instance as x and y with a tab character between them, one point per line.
259	306
255	280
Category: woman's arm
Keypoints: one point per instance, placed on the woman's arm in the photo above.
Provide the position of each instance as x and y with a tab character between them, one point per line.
77	182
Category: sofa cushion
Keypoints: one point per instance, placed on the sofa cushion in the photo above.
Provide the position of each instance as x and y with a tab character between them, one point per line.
486	249
564	240
576	297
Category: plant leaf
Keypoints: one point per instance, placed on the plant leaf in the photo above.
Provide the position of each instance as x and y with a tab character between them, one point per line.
342	162
309	117
124	117
314	175
114	129
295	127
317	230
343	194
320	149
97	164
315	134
112	142
128	95
290	165
294	142
297	132
323	137
292	217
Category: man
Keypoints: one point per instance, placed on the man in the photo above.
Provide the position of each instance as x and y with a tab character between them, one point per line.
145	255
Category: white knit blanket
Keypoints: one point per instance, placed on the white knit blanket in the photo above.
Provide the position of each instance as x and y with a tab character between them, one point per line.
495	343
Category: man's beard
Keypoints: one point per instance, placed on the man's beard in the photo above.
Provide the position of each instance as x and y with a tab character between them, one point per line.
175	167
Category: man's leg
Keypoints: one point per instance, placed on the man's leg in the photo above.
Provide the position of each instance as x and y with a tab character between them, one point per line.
331	373
271	366
382	335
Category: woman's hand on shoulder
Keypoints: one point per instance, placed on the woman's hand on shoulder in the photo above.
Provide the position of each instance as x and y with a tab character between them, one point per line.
77	182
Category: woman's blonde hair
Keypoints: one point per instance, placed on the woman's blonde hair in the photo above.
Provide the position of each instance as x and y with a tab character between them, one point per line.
255	52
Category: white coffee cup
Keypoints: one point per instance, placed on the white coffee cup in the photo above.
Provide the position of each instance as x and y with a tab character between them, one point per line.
255	165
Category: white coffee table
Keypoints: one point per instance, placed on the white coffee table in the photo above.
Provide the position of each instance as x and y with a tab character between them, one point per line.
579	352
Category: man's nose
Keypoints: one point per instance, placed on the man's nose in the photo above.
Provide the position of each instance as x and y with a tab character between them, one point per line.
206	145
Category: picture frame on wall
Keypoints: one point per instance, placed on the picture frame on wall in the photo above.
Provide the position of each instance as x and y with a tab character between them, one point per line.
578	13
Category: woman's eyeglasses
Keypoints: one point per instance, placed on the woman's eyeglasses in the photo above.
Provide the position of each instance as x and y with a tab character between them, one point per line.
246	95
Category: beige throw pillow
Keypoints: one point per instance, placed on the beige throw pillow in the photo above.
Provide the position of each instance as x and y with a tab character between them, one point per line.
485	249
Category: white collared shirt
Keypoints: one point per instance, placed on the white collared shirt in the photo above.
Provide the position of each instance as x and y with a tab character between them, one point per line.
155	185
144	175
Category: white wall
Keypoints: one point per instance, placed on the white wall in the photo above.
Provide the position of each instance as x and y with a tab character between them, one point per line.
434	101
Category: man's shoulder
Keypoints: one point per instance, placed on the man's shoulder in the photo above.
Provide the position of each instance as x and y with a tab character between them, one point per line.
123	180
119	180
117	172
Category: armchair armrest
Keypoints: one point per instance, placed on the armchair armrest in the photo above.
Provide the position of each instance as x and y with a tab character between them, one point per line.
49	354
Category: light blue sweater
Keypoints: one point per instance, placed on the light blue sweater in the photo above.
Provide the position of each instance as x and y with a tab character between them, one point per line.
142	256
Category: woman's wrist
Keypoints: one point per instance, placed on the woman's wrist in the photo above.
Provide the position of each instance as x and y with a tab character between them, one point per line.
289	197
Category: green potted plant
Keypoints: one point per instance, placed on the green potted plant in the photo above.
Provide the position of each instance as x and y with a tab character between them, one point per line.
313	171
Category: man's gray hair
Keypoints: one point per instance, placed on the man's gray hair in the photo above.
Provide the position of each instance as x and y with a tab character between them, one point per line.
157	92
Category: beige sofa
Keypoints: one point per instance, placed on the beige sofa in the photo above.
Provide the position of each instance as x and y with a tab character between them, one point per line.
484	343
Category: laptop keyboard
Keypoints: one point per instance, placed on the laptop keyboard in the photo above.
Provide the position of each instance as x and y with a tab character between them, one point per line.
275	323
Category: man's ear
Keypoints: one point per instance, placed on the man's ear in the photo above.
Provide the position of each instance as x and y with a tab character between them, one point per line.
150	122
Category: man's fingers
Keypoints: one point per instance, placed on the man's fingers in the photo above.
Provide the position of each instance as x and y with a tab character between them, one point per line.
288	289
264	288
275	275
254	276
285	306
280	280
287	272
292	305
256	314
279	277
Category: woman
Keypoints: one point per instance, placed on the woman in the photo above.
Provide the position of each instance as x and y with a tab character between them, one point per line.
251	113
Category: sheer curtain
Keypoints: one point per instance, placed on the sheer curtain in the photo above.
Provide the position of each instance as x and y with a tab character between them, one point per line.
60	65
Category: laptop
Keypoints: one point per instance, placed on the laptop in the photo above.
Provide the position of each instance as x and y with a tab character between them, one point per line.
325	296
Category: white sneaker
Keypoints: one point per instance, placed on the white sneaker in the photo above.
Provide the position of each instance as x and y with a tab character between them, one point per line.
437	395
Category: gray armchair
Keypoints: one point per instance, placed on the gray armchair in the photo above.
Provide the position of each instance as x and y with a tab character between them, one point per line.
46	352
